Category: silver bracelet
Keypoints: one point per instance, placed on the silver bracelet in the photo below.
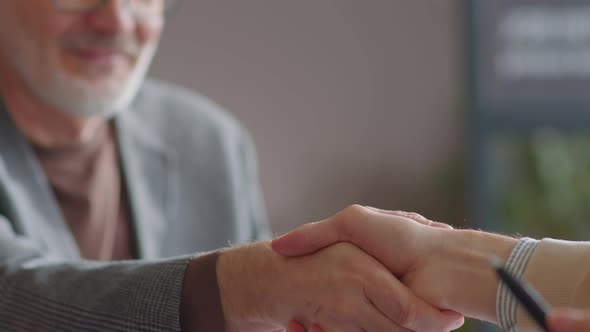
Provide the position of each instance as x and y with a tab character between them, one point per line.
506	304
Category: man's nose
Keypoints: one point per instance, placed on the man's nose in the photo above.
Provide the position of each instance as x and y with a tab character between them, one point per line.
114	17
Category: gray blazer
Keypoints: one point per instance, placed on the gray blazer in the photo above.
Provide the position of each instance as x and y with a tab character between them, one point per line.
191	176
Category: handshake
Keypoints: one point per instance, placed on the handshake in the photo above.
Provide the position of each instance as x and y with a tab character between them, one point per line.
366	269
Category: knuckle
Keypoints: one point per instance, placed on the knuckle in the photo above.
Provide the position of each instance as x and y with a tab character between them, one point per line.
346	310
415	215
356	279
315	310
355	210
405	314
352	215
350	281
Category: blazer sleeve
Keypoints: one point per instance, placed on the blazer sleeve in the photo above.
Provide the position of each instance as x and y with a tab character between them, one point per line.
560	271
40	293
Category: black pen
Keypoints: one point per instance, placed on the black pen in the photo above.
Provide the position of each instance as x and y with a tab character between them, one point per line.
530	299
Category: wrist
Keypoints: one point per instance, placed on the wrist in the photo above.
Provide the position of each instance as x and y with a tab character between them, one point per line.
242	277
201	307
467	283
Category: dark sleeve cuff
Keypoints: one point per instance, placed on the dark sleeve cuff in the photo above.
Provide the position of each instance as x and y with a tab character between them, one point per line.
201	309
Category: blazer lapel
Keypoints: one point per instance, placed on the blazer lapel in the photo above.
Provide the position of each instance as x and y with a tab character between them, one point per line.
149	170
29	200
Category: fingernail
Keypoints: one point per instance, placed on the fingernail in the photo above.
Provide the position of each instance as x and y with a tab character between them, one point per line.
456	320
566	320
441	225
458	323
563	323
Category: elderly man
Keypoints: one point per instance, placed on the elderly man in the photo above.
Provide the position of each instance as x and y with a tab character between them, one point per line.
110	187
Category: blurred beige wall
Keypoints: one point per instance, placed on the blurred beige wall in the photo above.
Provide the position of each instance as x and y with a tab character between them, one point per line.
348	101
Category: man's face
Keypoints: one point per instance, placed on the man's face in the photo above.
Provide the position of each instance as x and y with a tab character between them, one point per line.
83	63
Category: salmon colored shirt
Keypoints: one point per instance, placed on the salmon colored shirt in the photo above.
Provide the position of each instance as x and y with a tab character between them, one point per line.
86	181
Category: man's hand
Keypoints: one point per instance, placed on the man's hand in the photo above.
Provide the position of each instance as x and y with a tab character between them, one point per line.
339	288
445	267
401	241
569	320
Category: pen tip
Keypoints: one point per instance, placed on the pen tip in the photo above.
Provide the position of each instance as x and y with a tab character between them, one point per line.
495	262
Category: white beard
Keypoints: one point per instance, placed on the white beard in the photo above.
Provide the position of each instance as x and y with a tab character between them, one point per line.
75	95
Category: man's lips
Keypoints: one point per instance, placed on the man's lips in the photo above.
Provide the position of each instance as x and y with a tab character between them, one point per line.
100	56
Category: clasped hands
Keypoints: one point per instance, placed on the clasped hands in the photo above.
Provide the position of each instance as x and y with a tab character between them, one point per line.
403	245
363	269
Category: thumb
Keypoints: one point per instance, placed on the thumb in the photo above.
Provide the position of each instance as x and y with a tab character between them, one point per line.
308	238
569	320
